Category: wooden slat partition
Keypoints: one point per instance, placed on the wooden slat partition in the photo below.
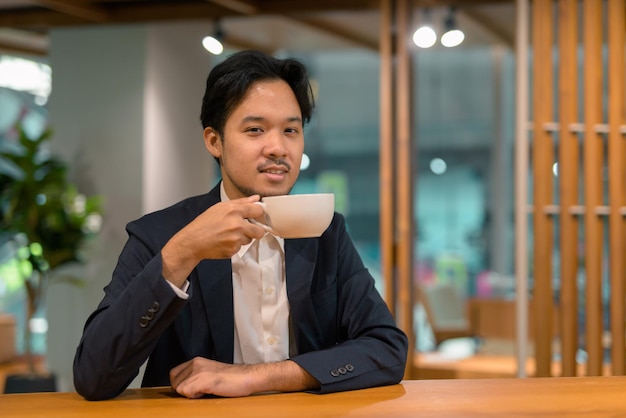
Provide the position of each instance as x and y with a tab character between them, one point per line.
396	177
543	159
604	197
593	187
617	180
404	174
568	180
386	154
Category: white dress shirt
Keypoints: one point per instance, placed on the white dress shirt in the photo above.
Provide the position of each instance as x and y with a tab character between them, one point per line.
260	300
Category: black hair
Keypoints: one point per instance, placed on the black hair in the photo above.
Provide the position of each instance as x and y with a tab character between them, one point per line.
229	82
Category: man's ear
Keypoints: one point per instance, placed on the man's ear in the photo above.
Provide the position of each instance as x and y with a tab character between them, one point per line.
213	142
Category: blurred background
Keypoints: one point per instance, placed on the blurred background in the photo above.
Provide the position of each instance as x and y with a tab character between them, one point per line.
119	84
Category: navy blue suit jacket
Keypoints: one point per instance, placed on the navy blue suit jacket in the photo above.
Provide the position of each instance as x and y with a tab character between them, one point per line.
344	334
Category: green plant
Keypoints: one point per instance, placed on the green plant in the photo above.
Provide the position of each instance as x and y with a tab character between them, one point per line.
43	217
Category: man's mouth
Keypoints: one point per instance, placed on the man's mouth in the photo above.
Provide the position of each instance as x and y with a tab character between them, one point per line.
274	171
275	167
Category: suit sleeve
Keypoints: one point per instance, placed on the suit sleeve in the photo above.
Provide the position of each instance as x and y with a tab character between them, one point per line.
119	336
370	349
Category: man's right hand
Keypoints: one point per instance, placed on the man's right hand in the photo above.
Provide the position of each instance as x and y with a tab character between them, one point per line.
218	232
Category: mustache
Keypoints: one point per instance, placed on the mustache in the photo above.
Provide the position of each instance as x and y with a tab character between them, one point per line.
272	162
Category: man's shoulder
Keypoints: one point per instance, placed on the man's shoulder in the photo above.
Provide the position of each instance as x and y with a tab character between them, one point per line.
177	215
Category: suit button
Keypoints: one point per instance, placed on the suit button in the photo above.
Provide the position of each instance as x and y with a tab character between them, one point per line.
155	306
150	315
334	373
342	370
349	367
143	322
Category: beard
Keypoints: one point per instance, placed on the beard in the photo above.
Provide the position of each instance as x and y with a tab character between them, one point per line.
252	189
249	190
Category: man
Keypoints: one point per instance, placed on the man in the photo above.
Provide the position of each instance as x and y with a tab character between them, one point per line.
216	305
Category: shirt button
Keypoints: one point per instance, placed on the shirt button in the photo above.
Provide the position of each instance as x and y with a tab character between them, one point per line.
269	290
271	340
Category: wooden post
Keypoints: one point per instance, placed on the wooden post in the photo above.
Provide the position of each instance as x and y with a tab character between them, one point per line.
592	168
568	170
617	181
404	174
543	159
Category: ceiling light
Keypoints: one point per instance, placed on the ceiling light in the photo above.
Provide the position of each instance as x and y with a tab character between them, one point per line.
213	43
453	36
425	35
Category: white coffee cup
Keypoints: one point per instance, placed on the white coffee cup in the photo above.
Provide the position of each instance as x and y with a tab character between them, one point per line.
297	215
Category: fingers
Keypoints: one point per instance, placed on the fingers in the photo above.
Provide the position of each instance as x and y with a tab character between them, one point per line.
250	210
201	376
192	379
185	380
223	228
179	373
191	388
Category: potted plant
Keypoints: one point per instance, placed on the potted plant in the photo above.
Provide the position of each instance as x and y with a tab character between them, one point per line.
43	218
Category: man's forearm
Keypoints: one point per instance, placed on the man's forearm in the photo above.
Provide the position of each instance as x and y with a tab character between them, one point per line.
283	376
177	263
202	376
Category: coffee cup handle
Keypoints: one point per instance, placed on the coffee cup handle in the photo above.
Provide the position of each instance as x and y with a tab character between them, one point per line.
267	228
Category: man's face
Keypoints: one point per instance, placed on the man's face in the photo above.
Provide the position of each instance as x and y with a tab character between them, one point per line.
263	142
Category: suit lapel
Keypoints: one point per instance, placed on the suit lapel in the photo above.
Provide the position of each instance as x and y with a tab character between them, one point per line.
211	281
300	256
216	287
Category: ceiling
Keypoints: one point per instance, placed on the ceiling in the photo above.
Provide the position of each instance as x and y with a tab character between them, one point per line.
267	25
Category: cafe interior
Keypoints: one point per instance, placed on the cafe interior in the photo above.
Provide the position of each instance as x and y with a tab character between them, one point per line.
475	147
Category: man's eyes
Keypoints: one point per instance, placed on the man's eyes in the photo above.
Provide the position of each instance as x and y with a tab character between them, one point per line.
256	129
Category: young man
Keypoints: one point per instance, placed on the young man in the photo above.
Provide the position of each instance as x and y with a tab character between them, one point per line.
216	305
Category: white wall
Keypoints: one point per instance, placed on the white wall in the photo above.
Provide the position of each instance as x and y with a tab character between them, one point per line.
176	163
125	110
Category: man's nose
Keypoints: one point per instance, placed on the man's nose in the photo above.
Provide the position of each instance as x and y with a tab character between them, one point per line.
275	145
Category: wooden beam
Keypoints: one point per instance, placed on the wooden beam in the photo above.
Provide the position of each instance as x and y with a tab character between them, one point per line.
460	3
506	38
134	13
242	44
81	10
10	48
23	42
237	6
339	31
290	6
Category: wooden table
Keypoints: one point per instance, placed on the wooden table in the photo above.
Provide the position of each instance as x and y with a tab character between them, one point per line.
530	397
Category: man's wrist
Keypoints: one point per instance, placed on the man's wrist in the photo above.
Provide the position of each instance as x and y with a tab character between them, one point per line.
177	263
283	376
